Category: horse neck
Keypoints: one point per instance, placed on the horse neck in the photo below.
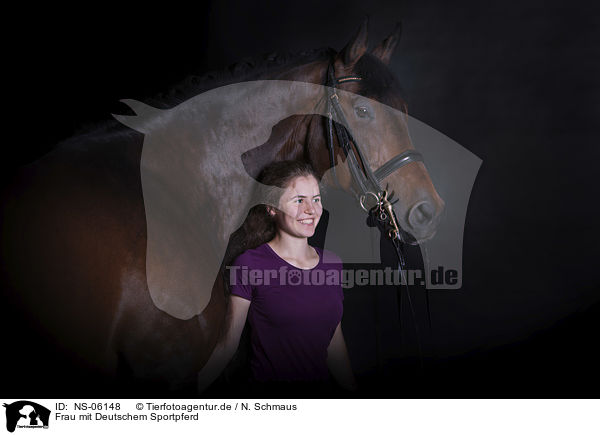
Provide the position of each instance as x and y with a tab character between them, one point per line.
302	137
312	72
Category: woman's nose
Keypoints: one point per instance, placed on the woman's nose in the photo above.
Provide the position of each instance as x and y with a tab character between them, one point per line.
309	208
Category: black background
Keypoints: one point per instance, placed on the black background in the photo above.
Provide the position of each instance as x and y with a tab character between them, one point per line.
513	82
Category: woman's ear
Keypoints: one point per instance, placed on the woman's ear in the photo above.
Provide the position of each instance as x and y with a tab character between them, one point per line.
271	211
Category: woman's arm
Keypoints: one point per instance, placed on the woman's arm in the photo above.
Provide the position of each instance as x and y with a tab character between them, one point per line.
227	344
339	362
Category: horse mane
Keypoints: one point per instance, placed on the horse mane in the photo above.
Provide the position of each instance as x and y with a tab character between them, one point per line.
250	68
247	69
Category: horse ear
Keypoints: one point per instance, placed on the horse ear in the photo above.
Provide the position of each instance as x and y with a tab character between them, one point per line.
355	49
385	50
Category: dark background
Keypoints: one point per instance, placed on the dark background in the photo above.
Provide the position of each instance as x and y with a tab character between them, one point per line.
513	82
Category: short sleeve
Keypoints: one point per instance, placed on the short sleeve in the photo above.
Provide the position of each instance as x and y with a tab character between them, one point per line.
238	278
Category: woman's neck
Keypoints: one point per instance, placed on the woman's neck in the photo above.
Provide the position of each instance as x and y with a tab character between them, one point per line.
291	247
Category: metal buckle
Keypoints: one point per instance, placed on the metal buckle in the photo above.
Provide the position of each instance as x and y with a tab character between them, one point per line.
386	211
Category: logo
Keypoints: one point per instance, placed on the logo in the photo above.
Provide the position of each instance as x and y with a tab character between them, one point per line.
196	149
26	414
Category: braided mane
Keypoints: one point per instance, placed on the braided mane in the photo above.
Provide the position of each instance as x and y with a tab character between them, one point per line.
251	68
247	69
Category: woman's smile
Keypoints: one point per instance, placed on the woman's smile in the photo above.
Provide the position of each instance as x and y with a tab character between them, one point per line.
300	208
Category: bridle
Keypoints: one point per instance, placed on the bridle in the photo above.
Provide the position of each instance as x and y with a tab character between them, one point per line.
367	180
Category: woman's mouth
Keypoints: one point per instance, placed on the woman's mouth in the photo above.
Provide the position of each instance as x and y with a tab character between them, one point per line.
307	222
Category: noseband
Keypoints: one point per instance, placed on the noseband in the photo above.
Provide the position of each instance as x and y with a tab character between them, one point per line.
367	180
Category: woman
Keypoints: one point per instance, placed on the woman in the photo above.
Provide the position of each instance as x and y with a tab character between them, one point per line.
289	291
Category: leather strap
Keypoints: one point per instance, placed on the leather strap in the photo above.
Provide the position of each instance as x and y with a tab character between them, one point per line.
397	162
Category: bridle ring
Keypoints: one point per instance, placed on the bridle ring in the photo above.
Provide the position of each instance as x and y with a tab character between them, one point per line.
364	196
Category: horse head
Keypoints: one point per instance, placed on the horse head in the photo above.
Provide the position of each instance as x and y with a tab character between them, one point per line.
376	114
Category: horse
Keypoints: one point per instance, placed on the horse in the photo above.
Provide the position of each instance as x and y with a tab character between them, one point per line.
75	227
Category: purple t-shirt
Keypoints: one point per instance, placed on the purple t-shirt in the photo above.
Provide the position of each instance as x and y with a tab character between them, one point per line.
293	312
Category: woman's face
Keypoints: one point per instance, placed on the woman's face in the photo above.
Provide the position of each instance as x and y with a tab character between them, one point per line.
300	207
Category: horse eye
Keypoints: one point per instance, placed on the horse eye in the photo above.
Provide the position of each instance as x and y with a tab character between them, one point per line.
362	112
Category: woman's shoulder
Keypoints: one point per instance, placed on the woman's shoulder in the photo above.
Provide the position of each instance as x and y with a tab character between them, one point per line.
328	256
253	257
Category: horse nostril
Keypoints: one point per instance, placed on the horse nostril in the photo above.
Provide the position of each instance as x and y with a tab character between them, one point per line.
421	214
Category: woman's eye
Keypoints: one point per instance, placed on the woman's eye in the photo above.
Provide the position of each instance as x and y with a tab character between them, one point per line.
317	200
362	112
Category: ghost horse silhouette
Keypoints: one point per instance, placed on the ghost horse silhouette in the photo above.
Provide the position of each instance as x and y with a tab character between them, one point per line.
120	244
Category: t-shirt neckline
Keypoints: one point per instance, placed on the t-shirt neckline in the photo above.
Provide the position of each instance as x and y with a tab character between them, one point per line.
296	267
